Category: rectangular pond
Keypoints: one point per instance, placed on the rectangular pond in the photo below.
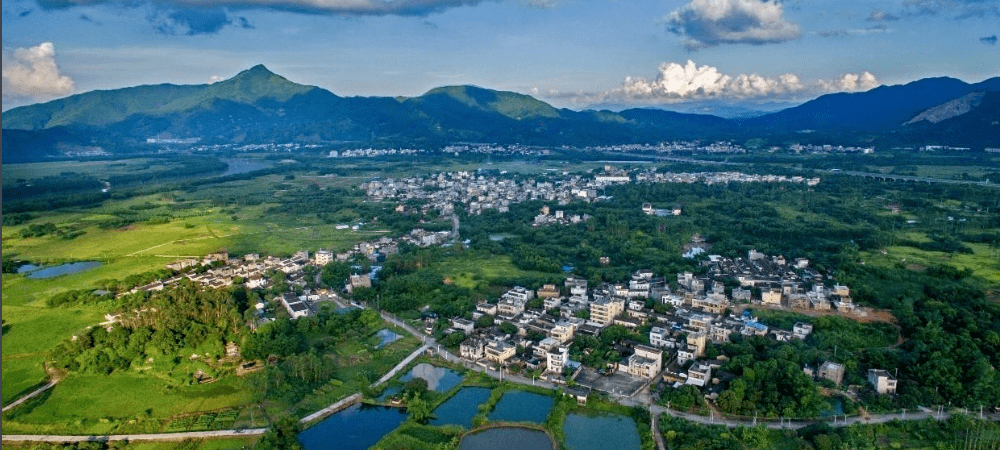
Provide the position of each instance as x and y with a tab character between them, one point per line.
520	406
507	438
461	408
358	427
601	432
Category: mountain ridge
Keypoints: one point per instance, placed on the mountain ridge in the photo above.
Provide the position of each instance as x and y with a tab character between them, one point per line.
258	106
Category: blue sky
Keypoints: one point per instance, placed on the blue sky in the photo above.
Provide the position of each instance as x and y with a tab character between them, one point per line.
571	53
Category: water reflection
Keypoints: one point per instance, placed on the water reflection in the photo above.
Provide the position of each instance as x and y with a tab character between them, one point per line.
462	408
356	428
520	406
438	379
63	269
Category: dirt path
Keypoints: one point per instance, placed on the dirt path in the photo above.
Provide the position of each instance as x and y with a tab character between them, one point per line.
21	400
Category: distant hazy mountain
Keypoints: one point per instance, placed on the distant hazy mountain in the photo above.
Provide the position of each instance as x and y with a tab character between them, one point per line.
880	109
258	106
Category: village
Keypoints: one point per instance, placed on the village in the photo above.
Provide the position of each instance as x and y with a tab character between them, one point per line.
531	331
479	192
682	322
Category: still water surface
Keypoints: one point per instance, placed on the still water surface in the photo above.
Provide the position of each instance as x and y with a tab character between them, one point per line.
507	438
462	407
358	427
438	379
62	269
520	406
601	432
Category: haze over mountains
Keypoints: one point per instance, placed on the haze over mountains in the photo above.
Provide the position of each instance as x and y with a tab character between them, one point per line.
258	106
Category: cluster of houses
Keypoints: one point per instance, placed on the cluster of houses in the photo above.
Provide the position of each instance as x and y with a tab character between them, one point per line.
699	316
375	250
548	217
493	149
224	270
711	178
678	147
727	147
372	152
480	192
827	148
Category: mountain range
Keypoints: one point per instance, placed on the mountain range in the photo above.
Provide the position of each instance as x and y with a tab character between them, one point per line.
259	106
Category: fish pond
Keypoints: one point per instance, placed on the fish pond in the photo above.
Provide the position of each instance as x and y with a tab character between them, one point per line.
507	438
520	406
461	408
601	432
358	427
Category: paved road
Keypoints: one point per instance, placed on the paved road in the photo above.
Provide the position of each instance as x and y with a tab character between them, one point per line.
402	364
332	408
135	437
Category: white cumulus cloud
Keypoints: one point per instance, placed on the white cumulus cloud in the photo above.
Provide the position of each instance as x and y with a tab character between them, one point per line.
676	82
32	74
850	82
708	23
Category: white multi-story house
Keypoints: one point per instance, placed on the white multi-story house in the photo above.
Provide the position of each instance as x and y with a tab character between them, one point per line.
659	337
556	359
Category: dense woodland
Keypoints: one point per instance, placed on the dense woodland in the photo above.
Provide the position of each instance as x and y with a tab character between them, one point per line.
159	324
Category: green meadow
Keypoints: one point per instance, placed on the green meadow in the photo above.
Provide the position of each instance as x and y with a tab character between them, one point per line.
163	227
984	261
470	271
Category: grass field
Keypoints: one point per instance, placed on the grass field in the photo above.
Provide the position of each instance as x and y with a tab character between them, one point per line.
85	403
984	261
469	272
98	169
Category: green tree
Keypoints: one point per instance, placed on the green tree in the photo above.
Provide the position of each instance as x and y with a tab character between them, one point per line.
281	435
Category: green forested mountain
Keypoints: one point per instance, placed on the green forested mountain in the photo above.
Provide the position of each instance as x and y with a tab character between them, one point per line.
258	106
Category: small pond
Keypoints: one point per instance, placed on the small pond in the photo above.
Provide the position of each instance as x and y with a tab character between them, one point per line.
27	268
356	428
836	408
601	432
462	407
63	269
438	379
386	337
506	438
520	406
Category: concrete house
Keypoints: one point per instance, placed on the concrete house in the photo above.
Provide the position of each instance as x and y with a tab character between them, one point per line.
831	371
882	381
646	362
